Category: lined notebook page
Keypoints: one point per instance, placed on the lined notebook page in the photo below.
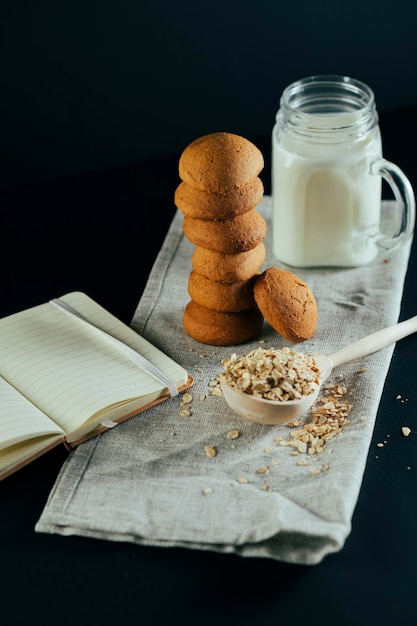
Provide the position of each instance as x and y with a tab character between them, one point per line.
68	368
20	419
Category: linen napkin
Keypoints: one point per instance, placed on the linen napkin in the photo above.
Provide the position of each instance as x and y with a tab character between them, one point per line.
200	476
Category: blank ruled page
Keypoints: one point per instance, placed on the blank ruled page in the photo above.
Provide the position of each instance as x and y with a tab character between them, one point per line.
68	368
20	419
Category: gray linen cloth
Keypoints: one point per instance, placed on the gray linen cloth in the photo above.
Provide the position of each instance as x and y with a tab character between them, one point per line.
150	480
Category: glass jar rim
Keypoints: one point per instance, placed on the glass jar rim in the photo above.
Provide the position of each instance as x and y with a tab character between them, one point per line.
322	107
327	94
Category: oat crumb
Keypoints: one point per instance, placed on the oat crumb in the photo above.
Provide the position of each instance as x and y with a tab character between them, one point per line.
242	480
405	431
207	491
233	434
210	450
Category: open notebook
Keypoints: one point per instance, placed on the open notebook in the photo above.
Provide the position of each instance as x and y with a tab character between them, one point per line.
70	370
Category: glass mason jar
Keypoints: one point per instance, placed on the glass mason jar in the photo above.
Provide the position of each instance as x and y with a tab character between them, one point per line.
327	170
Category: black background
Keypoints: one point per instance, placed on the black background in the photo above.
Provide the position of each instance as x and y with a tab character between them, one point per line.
98	100
96	83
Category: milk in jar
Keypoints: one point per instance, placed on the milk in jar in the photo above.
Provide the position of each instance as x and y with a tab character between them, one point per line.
326	204
327	170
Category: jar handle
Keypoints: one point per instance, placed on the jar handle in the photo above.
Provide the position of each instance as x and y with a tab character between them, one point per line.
405	203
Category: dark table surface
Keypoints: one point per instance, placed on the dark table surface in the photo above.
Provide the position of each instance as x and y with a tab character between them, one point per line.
100	233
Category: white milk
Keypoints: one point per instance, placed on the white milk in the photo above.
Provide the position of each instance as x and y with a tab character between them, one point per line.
326	203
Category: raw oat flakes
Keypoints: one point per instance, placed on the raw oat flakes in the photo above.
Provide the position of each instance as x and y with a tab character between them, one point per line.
272	374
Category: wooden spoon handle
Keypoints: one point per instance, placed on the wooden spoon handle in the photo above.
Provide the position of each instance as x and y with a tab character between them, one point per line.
374	342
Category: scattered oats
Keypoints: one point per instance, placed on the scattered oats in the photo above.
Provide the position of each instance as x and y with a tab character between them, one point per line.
328	419
294	453
408	467
405	431
242	480
267	450
216	391
398	397
203	396
233	434
274	463
380	445
325	468
294	423
278	439
213	383
210	451
187	398
302	461
262	470
264	487
207	491
185	413
316	470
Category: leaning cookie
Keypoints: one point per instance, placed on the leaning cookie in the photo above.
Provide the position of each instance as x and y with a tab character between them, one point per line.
220	162
287	303
228	268
231	236
217	328
205	205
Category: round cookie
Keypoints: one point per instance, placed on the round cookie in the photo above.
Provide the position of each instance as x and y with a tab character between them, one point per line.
287	303
231	236
220	162
217	328
205	205
228	297
228	268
